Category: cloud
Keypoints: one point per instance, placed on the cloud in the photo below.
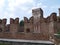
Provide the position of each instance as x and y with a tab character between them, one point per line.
11	7
20	8
13	4
1	3
19	2
39	5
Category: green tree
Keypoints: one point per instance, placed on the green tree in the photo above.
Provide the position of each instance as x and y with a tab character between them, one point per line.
58	32
22	23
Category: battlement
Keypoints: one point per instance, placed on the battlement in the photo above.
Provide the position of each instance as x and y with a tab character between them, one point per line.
3	21
14	21
30	20
53	17
36	27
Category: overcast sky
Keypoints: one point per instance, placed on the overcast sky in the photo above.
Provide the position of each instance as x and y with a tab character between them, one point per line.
21	8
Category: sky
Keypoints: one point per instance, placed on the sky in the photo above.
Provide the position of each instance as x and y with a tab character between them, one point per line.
23	8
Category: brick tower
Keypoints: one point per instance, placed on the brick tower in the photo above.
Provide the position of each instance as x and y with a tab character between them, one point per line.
37	14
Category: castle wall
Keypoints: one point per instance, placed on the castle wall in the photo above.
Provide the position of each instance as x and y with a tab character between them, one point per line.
44	28
52	23
2	25
14	26
28	36
28	25
58	27
35	28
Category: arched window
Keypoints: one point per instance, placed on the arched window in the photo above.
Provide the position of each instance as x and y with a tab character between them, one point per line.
27	30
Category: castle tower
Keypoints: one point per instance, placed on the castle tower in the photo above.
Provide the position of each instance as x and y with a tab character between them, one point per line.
37	15
59	11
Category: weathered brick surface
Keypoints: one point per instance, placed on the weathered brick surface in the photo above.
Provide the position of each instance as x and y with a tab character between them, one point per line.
17	21
30	36
35	28
11	20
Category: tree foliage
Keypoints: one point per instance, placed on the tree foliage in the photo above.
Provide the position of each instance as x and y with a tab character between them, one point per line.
58	32
21	23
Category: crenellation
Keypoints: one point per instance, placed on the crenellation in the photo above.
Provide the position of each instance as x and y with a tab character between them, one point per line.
4	21
36	27
53	17
14	25
31	19
16	21
25	19
11	21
